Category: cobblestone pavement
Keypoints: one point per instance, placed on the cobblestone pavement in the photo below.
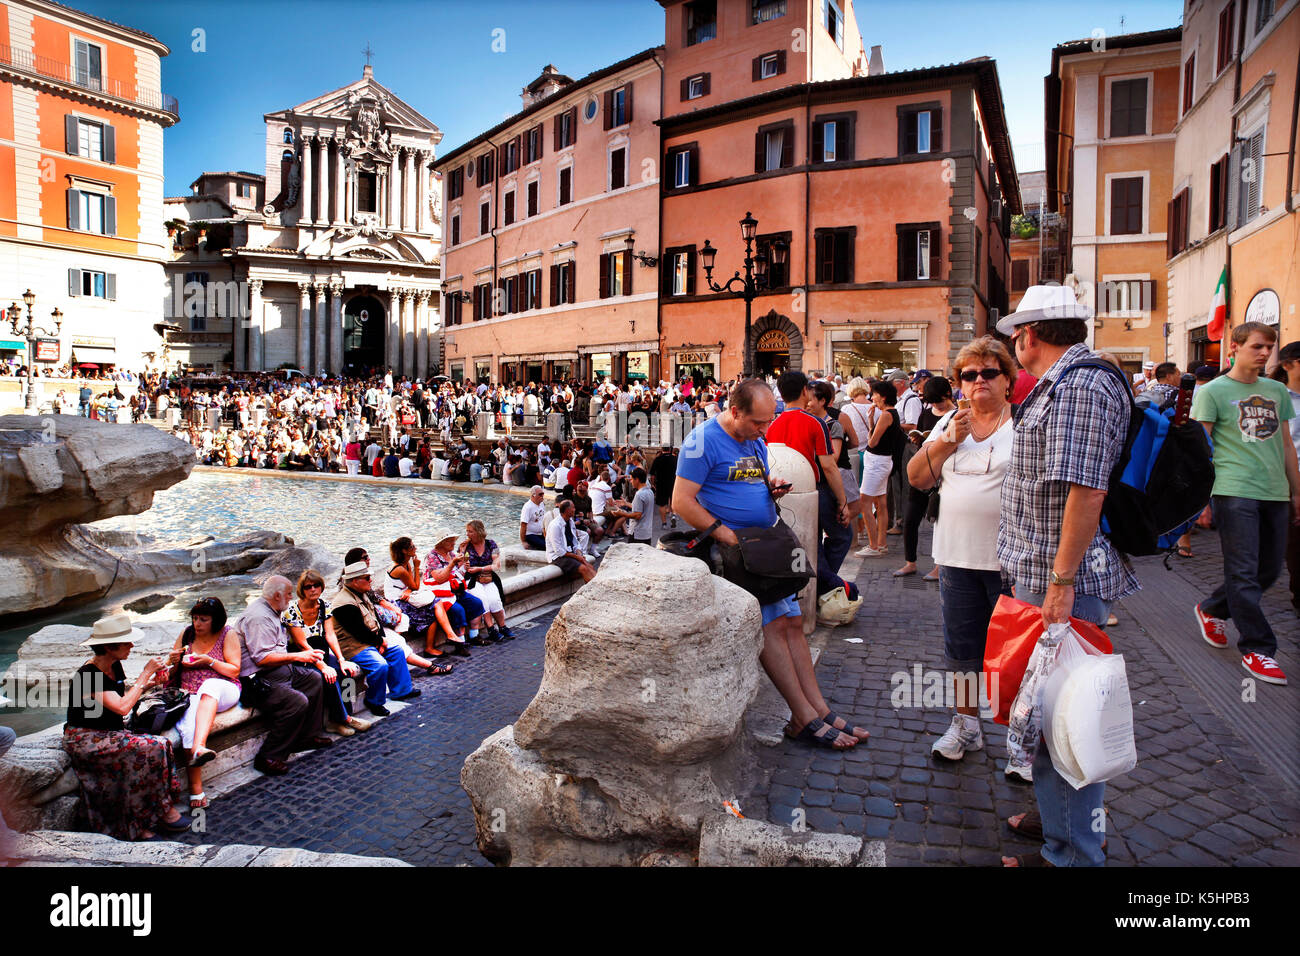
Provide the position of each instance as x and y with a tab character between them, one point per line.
1200	795
395	790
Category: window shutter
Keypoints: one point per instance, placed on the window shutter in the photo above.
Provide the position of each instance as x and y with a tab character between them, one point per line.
74	282
70	135
780	61
609	109
571	281
844	256
555	285
604	276
694	163
518	155
1234	187
627	272
706	84
907	134
541	148
74	209
110	286
555	126
935	254
1256	147
844	139
110	144
627	102
758	68
686	89
1118	209
1171	227
759	164
820	240
573	124
1149	295
667	264
906	242
690	271
501	157
936	131
819	141
787	147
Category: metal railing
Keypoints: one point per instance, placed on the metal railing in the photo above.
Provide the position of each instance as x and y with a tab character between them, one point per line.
27	62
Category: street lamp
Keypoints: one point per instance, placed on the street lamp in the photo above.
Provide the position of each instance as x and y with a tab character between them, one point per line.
645	259
31	331
756	279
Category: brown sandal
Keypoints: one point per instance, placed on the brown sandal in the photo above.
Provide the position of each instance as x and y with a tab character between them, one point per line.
1031	827
1028	859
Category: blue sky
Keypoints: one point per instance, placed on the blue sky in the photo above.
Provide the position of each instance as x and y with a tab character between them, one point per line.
438	56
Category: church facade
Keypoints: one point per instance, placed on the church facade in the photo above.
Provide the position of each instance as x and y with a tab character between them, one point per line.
335	266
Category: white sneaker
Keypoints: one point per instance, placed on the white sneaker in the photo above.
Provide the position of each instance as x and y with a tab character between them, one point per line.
1025	771
868	552
963	736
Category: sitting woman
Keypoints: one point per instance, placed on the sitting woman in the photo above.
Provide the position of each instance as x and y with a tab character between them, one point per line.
311	627
404	588
460	614
129	781
207	653
484	568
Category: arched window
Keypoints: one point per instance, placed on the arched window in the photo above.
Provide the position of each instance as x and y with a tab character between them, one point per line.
288	135
287	155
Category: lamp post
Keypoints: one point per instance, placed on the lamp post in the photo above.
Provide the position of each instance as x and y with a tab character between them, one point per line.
31	331
755	280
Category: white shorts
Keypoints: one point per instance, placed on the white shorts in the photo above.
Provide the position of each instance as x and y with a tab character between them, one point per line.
875	474
225	691
489	595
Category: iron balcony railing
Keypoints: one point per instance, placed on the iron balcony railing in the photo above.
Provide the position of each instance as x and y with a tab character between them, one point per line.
26	62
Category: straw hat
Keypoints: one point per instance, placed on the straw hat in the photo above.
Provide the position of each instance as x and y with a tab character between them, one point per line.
357	569
1045	303
441	535
113	629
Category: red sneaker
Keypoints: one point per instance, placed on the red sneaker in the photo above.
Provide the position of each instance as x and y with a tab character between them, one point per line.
1265	668
1211	628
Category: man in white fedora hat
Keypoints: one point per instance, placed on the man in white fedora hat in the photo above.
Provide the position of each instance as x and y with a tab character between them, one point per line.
1069	433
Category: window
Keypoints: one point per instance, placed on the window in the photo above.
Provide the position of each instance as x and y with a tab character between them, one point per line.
486	168
531	194
774	147
677	271
764	10
455	229
701	21
1189	82
533	289
834	254
509	156
681	272
1264	13
456	183
562	280
367	192
1126	297
508	204
1128	107
778	277
832	138
244	190
769	65
566	128
484	218
483	301
618	106
615	274
1227	39
833	20
89	58
89	139
1126	206
533	145
1176	229
1019	275
683	164
510	287
617	168
1219	194
92	212
919	250
566	186
920	129
195	291
452	308
693	87
102	285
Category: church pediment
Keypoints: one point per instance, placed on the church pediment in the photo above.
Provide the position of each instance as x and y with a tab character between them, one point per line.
364	240
388	110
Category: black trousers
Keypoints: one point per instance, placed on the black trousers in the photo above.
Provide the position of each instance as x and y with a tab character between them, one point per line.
917	502
294	707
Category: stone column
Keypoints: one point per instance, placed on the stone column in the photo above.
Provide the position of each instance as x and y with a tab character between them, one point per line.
340	215
320	361
421	200
304	214
336	328
241	322
422	335
255	317
408	192
409	319
394	194
319	215
304	326
393	331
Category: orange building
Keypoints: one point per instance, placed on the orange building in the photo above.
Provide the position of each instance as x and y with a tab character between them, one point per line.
82	116
1111	107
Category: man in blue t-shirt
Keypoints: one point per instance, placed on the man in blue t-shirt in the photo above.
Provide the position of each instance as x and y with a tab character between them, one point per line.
722	476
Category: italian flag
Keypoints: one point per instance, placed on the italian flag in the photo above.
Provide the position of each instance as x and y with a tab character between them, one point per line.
1219	308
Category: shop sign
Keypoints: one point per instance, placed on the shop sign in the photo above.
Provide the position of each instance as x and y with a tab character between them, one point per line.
94	341
773	340
874	335
47	350
1264	307
693	358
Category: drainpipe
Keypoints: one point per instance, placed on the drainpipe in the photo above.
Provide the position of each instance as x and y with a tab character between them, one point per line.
1290	156
807	207
659	241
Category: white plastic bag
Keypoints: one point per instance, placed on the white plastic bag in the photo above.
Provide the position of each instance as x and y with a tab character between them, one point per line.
1088	715
1024	722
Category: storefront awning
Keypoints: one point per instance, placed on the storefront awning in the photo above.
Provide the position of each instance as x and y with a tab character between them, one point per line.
90	355
13	345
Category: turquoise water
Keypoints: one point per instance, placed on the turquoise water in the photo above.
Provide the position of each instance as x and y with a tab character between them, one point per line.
336	514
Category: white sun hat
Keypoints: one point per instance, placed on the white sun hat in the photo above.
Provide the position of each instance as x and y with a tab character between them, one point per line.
1045	303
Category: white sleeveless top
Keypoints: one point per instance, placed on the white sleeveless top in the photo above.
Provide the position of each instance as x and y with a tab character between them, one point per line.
393	588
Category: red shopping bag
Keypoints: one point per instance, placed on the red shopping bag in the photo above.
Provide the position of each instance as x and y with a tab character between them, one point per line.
1013	631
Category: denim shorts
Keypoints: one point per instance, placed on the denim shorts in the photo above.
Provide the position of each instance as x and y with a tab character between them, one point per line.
786	607
967	597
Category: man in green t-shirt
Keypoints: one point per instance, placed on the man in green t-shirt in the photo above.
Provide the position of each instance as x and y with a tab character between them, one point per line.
1256	494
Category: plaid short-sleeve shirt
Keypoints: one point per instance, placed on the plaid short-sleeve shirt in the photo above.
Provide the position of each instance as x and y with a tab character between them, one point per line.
1075	436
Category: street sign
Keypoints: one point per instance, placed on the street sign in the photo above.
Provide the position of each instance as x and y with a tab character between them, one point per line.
47	350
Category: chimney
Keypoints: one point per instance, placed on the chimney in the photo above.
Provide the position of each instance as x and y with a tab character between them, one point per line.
876	65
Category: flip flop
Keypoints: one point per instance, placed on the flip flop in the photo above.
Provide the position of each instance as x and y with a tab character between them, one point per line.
1184	551
832	718
203	756
1030	827
812	733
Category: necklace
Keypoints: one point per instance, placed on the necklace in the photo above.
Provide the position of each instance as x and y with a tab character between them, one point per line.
977	438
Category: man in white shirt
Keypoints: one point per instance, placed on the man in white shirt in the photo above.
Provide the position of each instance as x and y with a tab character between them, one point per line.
372	452
564	546
532	529
405	466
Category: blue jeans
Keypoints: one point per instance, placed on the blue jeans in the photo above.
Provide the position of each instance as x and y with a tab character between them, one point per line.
967	597
832	549
1254	537
336	709
1074	821
384	673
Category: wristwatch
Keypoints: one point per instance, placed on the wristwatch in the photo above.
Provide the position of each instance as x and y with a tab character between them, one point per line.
1056	579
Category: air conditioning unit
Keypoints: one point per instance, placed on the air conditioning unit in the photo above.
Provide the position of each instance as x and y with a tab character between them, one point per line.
997	209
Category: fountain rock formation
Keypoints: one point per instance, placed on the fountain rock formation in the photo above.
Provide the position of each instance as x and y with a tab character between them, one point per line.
636	735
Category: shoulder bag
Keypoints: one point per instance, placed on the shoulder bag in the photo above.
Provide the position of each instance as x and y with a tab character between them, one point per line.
770	563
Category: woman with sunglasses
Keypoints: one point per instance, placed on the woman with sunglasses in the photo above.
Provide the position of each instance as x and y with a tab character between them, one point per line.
937	396
969	450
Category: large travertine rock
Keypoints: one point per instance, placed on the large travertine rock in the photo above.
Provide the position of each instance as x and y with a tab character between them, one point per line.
48	659
636	733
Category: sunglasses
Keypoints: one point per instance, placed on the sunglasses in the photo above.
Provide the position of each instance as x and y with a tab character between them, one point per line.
307	587
988	374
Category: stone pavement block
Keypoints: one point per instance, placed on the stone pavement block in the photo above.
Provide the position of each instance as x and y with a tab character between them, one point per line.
1254	825
816	798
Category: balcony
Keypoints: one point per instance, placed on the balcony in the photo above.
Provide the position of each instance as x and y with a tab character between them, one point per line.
23	61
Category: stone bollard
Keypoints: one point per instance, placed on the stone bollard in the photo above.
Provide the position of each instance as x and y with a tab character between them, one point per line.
799	509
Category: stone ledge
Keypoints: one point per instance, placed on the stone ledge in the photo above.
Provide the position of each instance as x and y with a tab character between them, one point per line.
53	847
